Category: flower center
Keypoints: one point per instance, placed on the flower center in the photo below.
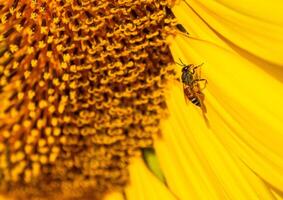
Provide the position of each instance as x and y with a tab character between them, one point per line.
81	92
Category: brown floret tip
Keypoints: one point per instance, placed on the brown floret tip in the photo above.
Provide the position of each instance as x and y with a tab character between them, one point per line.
82	90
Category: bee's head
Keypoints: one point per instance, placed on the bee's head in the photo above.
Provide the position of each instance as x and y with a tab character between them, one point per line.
185	69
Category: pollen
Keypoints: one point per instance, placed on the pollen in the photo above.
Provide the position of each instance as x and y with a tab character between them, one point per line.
81	89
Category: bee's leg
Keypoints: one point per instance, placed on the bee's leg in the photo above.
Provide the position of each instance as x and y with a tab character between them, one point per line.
200	79
193	70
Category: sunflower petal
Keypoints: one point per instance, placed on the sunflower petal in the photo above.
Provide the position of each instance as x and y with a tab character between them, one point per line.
243	96
194	159
237	154
145	185
258	37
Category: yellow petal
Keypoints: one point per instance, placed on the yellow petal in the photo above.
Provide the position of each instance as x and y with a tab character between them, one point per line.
243	99
195	160
144	185
270	11
237	154
261	38
277	194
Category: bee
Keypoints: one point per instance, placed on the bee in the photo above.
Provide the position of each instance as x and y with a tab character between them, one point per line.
192	90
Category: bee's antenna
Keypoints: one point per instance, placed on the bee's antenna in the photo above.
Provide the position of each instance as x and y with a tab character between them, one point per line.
179	64
182	62
183	65
200	65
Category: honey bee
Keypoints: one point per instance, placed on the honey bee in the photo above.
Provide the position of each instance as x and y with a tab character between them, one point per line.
191	79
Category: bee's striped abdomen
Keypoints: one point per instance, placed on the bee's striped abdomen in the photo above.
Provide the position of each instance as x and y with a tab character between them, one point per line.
191	96
195	101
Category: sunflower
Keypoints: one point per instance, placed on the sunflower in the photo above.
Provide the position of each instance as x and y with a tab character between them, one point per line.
92	106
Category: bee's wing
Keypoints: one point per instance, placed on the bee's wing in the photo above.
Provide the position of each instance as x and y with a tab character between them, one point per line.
200	96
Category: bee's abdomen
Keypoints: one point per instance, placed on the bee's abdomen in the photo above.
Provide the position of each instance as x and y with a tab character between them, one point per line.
195	101
190	95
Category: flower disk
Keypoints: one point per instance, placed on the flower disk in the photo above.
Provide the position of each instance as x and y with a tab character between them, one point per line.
81	92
